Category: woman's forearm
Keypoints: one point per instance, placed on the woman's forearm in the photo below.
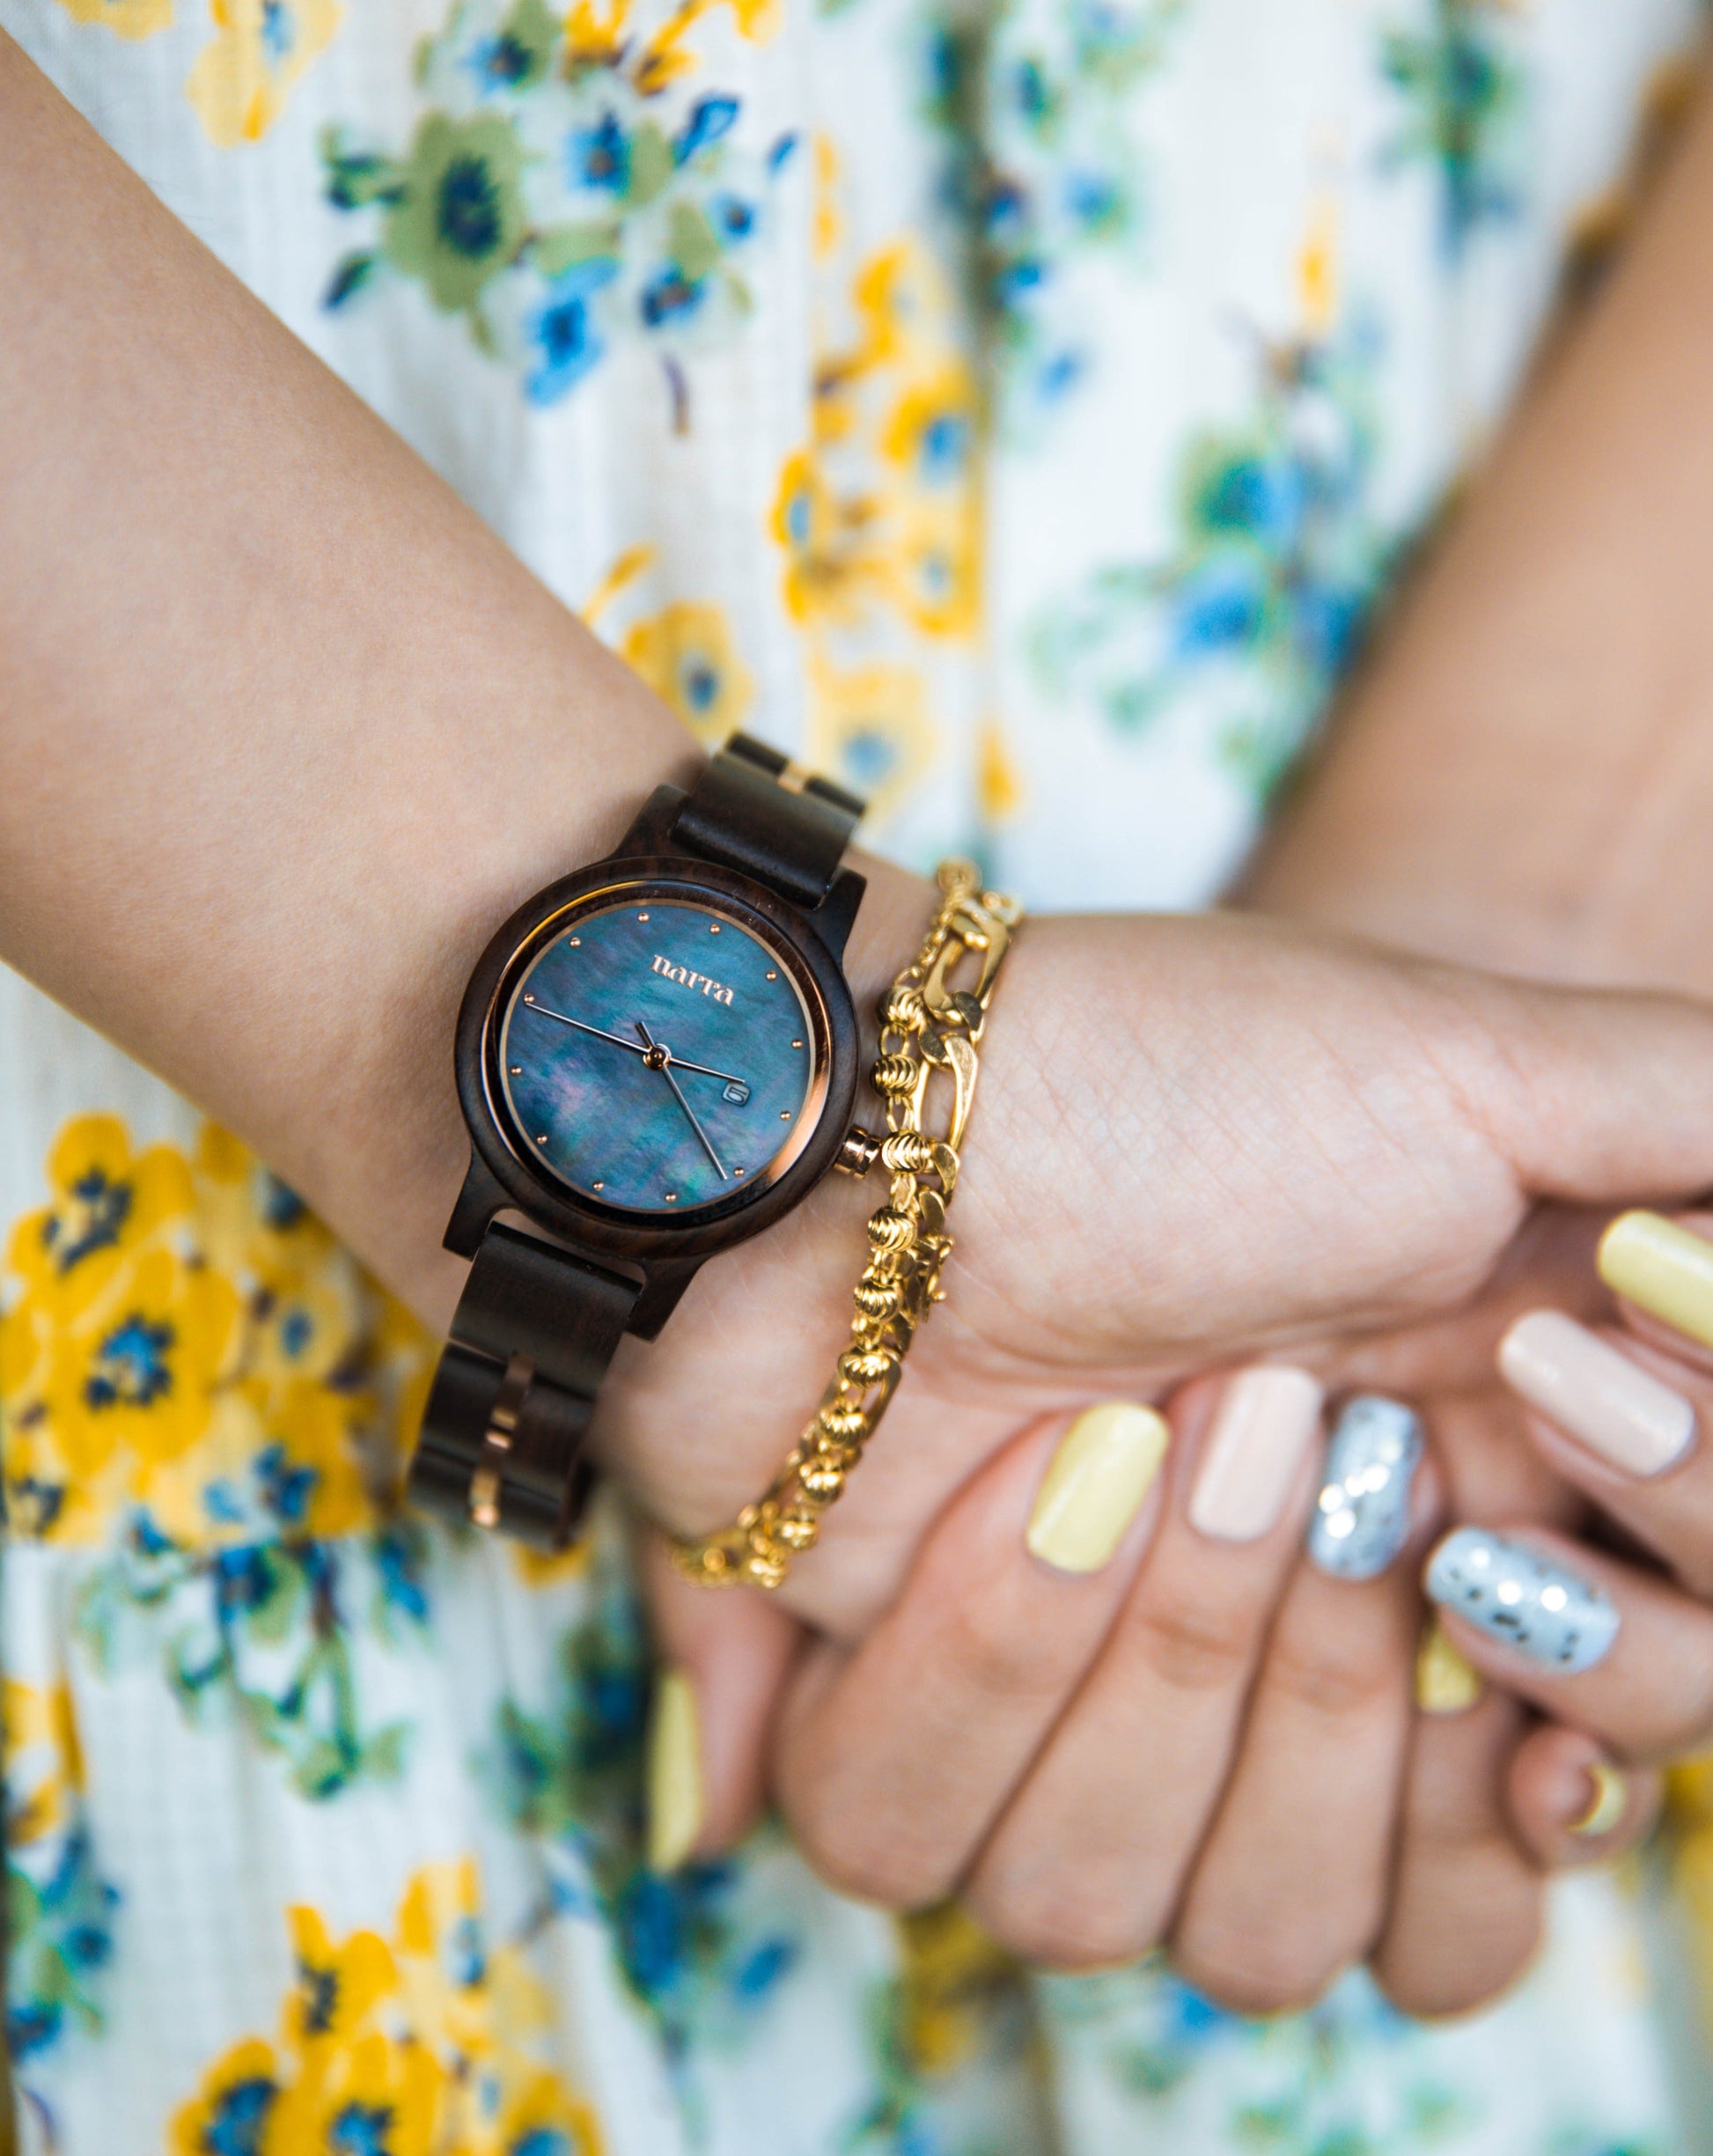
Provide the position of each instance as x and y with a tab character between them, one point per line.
1524	776
285	731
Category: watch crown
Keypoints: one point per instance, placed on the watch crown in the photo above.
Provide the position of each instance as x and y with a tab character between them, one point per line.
858	1153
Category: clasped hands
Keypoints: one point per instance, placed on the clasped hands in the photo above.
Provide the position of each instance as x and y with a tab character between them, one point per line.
1203	1145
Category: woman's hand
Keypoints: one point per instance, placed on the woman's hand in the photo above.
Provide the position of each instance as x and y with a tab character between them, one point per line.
1196	1142
900	1760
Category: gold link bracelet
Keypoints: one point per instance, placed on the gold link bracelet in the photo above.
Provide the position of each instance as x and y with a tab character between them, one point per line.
928	1026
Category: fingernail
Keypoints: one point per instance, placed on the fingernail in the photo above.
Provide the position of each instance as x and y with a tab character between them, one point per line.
1609	1798
1597	1394
1517	1596
1268	1418
1361	1518
1662	1269
1445	1682
1104	1468
675	1772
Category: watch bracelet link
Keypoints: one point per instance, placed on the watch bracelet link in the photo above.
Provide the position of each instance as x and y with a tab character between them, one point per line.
928	1027
501	1443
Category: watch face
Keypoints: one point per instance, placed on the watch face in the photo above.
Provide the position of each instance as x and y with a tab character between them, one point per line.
657	1056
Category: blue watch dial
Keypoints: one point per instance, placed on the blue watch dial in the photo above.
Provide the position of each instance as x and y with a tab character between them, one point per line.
658	1055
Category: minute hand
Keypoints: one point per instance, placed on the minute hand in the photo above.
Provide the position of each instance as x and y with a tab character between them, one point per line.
665	1070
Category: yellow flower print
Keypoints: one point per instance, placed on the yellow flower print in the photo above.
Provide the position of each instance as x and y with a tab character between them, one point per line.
188	1337
664	58
338	1987
542	2118
902	304
833	563
443	1967
594	39
951	1973
686	655
1317	272
402	2048
105	1205
239	2095
929	437
44	1761
868	728
129	1381
936	570
241	80
126	18
998	781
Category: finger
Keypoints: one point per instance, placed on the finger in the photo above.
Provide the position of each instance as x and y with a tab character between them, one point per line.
1089	1858
894	1759
1599	1096
725	1657
1572	1805
1593	1642
1467	1904
1624	1422
1290	1885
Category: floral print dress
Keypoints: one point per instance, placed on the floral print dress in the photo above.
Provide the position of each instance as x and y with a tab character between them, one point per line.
1017	407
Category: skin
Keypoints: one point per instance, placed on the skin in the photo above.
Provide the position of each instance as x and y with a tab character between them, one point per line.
1326	1143
1531	741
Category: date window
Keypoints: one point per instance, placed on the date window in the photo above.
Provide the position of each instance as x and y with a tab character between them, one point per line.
737	1093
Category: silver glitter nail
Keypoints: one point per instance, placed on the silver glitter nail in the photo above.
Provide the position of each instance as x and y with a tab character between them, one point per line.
1514	1594
1362	1519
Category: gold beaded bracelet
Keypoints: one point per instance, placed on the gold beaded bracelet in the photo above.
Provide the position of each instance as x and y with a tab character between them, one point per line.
926	1026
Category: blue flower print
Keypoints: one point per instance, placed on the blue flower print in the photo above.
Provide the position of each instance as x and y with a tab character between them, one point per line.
564	331
600	157
1464	90
566	191
710	119
130	1366
1259	610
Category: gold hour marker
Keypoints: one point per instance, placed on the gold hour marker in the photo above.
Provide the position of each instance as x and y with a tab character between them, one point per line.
739	1171
642	916
542	1139
797	1044
772	973
517	1070
574	941
784	1116
598	1186
672	1197
713	928
529	999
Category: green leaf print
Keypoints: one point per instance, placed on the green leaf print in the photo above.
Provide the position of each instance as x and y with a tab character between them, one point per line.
459	218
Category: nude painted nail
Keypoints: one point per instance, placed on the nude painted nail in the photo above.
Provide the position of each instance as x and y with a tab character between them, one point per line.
674	1773
1268	1417
1662	1269
1597	1395
1093	1488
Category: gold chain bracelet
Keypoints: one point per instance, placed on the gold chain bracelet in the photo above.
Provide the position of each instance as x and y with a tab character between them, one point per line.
927	1026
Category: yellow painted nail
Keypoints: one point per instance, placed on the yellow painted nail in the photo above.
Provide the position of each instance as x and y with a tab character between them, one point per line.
1662	1269
675	1772
1609	1798
1093	1488
1444	1682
